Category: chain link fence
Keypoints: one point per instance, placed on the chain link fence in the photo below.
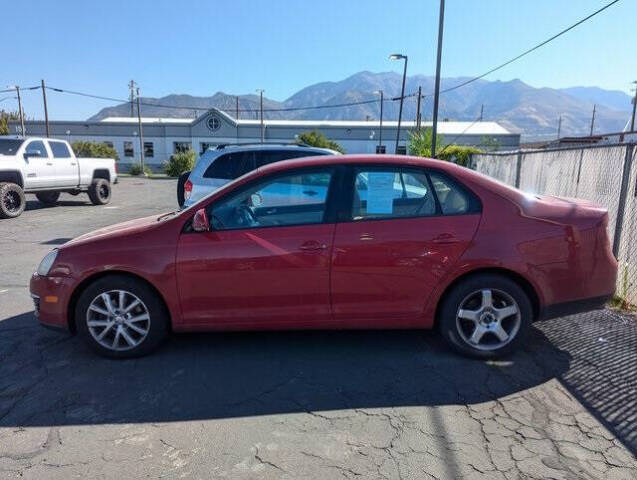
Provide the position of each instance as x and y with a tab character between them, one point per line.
603	174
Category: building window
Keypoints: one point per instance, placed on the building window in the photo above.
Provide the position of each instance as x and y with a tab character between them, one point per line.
108	144
380	149
181	147
401	150
205	146
129	151
149	150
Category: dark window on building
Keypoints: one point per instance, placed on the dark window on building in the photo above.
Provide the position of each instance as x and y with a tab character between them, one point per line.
181	147
381	149
60	150
129	151
231	166
108	144
203	146
37	146
149	149
401	150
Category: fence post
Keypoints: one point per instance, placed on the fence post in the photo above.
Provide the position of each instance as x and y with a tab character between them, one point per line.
518	169
623	193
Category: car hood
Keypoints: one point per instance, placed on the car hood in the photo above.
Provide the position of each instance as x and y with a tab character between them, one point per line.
130	227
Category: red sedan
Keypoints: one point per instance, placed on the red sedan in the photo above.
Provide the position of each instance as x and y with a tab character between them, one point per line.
340	242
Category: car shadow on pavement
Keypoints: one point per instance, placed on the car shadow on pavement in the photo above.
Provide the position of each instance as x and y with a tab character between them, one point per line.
37	205
49	378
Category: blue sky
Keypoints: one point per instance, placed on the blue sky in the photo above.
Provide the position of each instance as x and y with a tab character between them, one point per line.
236	46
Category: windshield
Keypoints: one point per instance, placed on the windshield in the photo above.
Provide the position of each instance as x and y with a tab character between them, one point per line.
9	146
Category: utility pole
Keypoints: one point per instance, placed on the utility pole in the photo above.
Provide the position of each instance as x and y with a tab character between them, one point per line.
23	131
380	131
141	134
481	112
441	22
46	111
236	107
131	86
260	91
398	56
632	121
559	127
418	109
593	120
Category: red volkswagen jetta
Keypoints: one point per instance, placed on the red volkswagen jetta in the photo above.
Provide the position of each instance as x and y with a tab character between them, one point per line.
338	242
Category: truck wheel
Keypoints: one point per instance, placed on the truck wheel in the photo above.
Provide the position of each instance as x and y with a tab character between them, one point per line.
100	191
48	198
12	200
181	181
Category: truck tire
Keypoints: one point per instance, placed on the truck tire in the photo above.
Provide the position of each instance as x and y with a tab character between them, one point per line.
181	181
48	198
12	200
100	191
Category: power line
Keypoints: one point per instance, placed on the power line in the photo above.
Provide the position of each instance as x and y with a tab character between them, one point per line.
532	49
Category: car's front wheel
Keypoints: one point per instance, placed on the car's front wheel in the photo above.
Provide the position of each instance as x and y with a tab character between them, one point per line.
486	316
12	200
121	317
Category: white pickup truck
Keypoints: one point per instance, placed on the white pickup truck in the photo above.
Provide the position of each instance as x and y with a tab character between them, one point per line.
47	167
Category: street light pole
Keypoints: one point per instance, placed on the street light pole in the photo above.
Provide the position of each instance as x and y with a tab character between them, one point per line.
141	134
632	120
17	90
260	91
46	110
441	22
380	131
398	56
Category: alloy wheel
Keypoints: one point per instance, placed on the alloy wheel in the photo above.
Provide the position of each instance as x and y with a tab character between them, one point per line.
11	201
488	319
118	320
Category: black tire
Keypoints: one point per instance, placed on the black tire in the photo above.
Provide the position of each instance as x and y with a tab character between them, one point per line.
100	191
502	288
48	198
158	323
181	181
12	200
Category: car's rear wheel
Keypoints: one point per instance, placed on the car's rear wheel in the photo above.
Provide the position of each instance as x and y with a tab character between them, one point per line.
181	181
121	317
100	191
48	198
486	316
12	200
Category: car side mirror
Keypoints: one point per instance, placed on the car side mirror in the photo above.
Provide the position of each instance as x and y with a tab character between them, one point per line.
32	153
200	222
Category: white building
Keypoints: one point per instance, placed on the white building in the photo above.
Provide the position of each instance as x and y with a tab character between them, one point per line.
165	136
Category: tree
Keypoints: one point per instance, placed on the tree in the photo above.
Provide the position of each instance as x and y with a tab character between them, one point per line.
420	142
4	121
458	154
315	138
94	149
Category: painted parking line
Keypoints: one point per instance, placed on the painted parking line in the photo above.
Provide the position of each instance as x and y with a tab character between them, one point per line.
110	208
3	291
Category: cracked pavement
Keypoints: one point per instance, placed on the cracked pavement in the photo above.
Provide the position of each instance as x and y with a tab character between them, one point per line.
394	405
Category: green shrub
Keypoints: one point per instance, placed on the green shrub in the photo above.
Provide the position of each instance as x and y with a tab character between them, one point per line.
459	154
318	139
179	163
94	149
136	169
420	142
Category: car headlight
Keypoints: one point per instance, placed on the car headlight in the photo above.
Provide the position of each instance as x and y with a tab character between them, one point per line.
47	263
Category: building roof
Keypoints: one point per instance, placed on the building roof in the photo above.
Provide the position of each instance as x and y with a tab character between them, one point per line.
444	128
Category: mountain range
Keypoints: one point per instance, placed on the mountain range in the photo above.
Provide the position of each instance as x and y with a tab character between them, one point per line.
519	107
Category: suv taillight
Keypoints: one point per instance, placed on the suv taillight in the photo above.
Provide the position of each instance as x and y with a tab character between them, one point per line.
187	189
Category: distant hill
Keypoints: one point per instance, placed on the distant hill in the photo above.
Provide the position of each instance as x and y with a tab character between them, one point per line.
534	112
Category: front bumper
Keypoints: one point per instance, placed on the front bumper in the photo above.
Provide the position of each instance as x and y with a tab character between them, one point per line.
51	298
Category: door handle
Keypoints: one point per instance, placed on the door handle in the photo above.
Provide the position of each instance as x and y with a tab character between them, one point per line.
312	246
49	164
366	236
445	238
73	163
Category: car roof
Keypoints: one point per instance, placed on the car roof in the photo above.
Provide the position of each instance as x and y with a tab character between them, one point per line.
238	147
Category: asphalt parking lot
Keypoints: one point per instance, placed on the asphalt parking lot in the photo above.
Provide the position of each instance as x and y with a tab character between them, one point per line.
325	405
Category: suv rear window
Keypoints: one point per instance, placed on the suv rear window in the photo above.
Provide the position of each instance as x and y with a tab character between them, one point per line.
230	166
266	157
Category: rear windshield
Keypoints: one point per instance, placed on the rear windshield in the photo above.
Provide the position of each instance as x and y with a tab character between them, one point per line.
9	146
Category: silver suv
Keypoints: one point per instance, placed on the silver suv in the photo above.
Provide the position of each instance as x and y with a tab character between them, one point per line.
219	166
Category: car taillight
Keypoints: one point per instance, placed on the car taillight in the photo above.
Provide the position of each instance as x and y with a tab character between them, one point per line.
187	189
116	167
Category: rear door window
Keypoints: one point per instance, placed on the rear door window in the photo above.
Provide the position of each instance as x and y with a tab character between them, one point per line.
230	166
60	150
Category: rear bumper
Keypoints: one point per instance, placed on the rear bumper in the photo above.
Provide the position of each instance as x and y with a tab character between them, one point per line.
50	298
574	307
